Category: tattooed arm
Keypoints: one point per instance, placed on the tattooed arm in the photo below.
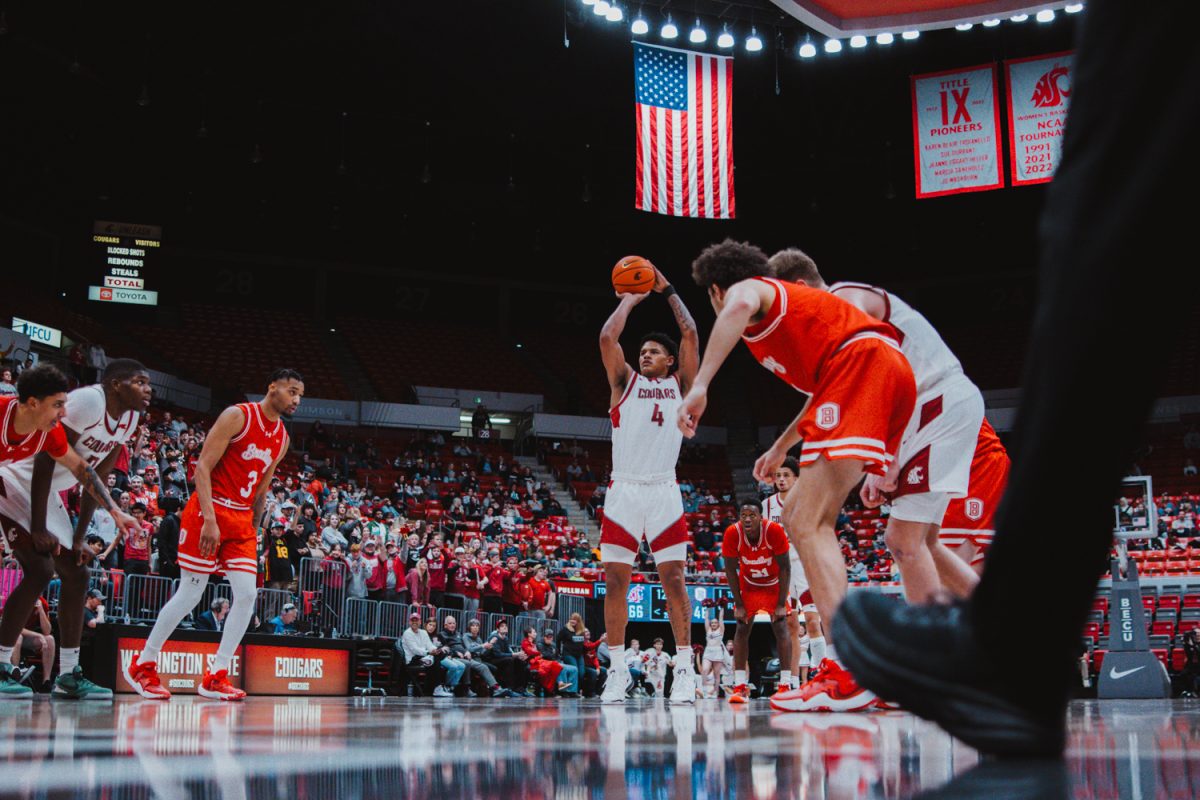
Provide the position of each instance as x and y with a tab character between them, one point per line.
689	338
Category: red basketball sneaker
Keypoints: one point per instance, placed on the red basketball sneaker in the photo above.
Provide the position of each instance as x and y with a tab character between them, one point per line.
834	690
739	694
216	686
144	680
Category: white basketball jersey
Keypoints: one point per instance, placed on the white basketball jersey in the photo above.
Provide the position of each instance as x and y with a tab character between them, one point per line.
931	360
645	435
99	434
772	511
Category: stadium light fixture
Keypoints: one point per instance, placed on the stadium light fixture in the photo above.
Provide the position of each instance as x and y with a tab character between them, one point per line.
833	45
1073	8
808	50
885	39
858	41
600	9
991	23
1019	18
908	36
640	26
725	40
753	42
963	26
589	2
669	31
1045	15
698	34
615	14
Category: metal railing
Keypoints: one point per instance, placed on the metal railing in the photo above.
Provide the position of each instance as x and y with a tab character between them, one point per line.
145	596
323	593
270	602
360	618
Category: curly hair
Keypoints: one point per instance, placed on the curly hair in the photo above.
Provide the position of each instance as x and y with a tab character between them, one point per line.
725	264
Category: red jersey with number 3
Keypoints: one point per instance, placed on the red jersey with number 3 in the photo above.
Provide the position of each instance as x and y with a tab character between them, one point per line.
17	448
249	455
757	565
645	438
803	329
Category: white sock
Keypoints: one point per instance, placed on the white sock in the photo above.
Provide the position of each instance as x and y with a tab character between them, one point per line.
785	677
816	647
241	611
830	653
187	596
6	655
739	677
617	657
795	684
68	659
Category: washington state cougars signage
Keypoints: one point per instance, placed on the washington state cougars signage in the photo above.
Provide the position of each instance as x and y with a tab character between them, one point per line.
956	131
1039	93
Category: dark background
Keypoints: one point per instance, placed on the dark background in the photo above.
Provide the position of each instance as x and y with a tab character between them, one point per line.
450	146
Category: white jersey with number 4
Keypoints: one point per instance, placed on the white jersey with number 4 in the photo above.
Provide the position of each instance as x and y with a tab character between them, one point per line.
645	438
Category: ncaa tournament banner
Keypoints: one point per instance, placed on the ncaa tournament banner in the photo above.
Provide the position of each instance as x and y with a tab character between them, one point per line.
956	131
1039	93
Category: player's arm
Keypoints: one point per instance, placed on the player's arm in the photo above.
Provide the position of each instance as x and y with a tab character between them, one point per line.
768	462
611	353
784	562
732	568
264	485
43	620
866	300
228	425
744	302
689	337
88	502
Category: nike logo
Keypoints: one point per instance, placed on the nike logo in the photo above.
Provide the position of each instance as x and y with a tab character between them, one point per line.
1115	675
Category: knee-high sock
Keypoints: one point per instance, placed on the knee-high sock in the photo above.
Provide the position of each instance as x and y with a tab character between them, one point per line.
191	589
241	611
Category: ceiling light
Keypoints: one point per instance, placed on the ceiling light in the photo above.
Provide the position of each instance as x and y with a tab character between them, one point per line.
669	31
601	7
1019	18
991	23
1045	15
858	41
753	43
908	36
725	40
1073	8
640	27
833	46
885	38
963	26
808	50
698	34
615	14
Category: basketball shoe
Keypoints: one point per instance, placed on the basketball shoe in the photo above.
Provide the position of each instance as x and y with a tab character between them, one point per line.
74	686
683	687
216	686
144	680
739	694
617	686
928	659
833	690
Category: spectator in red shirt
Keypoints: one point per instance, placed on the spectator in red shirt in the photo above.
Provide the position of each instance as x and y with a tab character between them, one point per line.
395	590
417	582
436	561
137	547
546	672
466	580
540	595
514	587
496	577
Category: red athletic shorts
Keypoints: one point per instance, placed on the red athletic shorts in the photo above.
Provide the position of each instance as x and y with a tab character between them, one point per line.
861	406
238	549
760	599
972	518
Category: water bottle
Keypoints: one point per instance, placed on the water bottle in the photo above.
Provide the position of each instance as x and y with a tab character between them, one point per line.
410	689
334	634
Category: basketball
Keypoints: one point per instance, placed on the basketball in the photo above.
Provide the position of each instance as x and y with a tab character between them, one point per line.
633	275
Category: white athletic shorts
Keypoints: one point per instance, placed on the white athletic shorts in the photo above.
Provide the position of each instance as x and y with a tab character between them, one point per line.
937	450
798	586
15	503
653	509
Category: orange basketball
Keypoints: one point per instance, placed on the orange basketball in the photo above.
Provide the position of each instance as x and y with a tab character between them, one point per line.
633	275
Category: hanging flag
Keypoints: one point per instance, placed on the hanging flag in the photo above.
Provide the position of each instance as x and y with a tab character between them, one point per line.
1039	92
684	111
956	131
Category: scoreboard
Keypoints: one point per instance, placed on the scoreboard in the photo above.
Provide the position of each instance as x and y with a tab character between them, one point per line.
126	252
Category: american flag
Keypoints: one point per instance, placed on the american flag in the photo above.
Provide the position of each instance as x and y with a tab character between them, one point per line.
685	132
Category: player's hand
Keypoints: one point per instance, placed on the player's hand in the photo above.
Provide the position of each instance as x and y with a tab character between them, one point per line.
82	554
660	281
44	542
739	614
767	463
630	299
210	538
780	613
872	493
125	523
692	408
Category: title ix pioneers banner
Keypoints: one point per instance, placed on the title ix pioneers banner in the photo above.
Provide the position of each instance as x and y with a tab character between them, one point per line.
1039	92
956	131
684	112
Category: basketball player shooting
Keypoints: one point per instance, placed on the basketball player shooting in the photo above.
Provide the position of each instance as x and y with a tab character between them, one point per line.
644	497
217	531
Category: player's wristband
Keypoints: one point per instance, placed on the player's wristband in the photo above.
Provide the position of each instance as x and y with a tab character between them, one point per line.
669	290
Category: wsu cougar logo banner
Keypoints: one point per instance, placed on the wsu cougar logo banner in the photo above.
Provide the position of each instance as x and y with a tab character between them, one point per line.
956	131
1039	92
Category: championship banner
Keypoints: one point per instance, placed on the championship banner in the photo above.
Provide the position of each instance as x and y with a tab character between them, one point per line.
956	131
1039	92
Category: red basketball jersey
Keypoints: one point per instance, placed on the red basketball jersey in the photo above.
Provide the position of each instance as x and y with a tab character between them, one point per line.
247	458
16	448
987	445
803	328
758	566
